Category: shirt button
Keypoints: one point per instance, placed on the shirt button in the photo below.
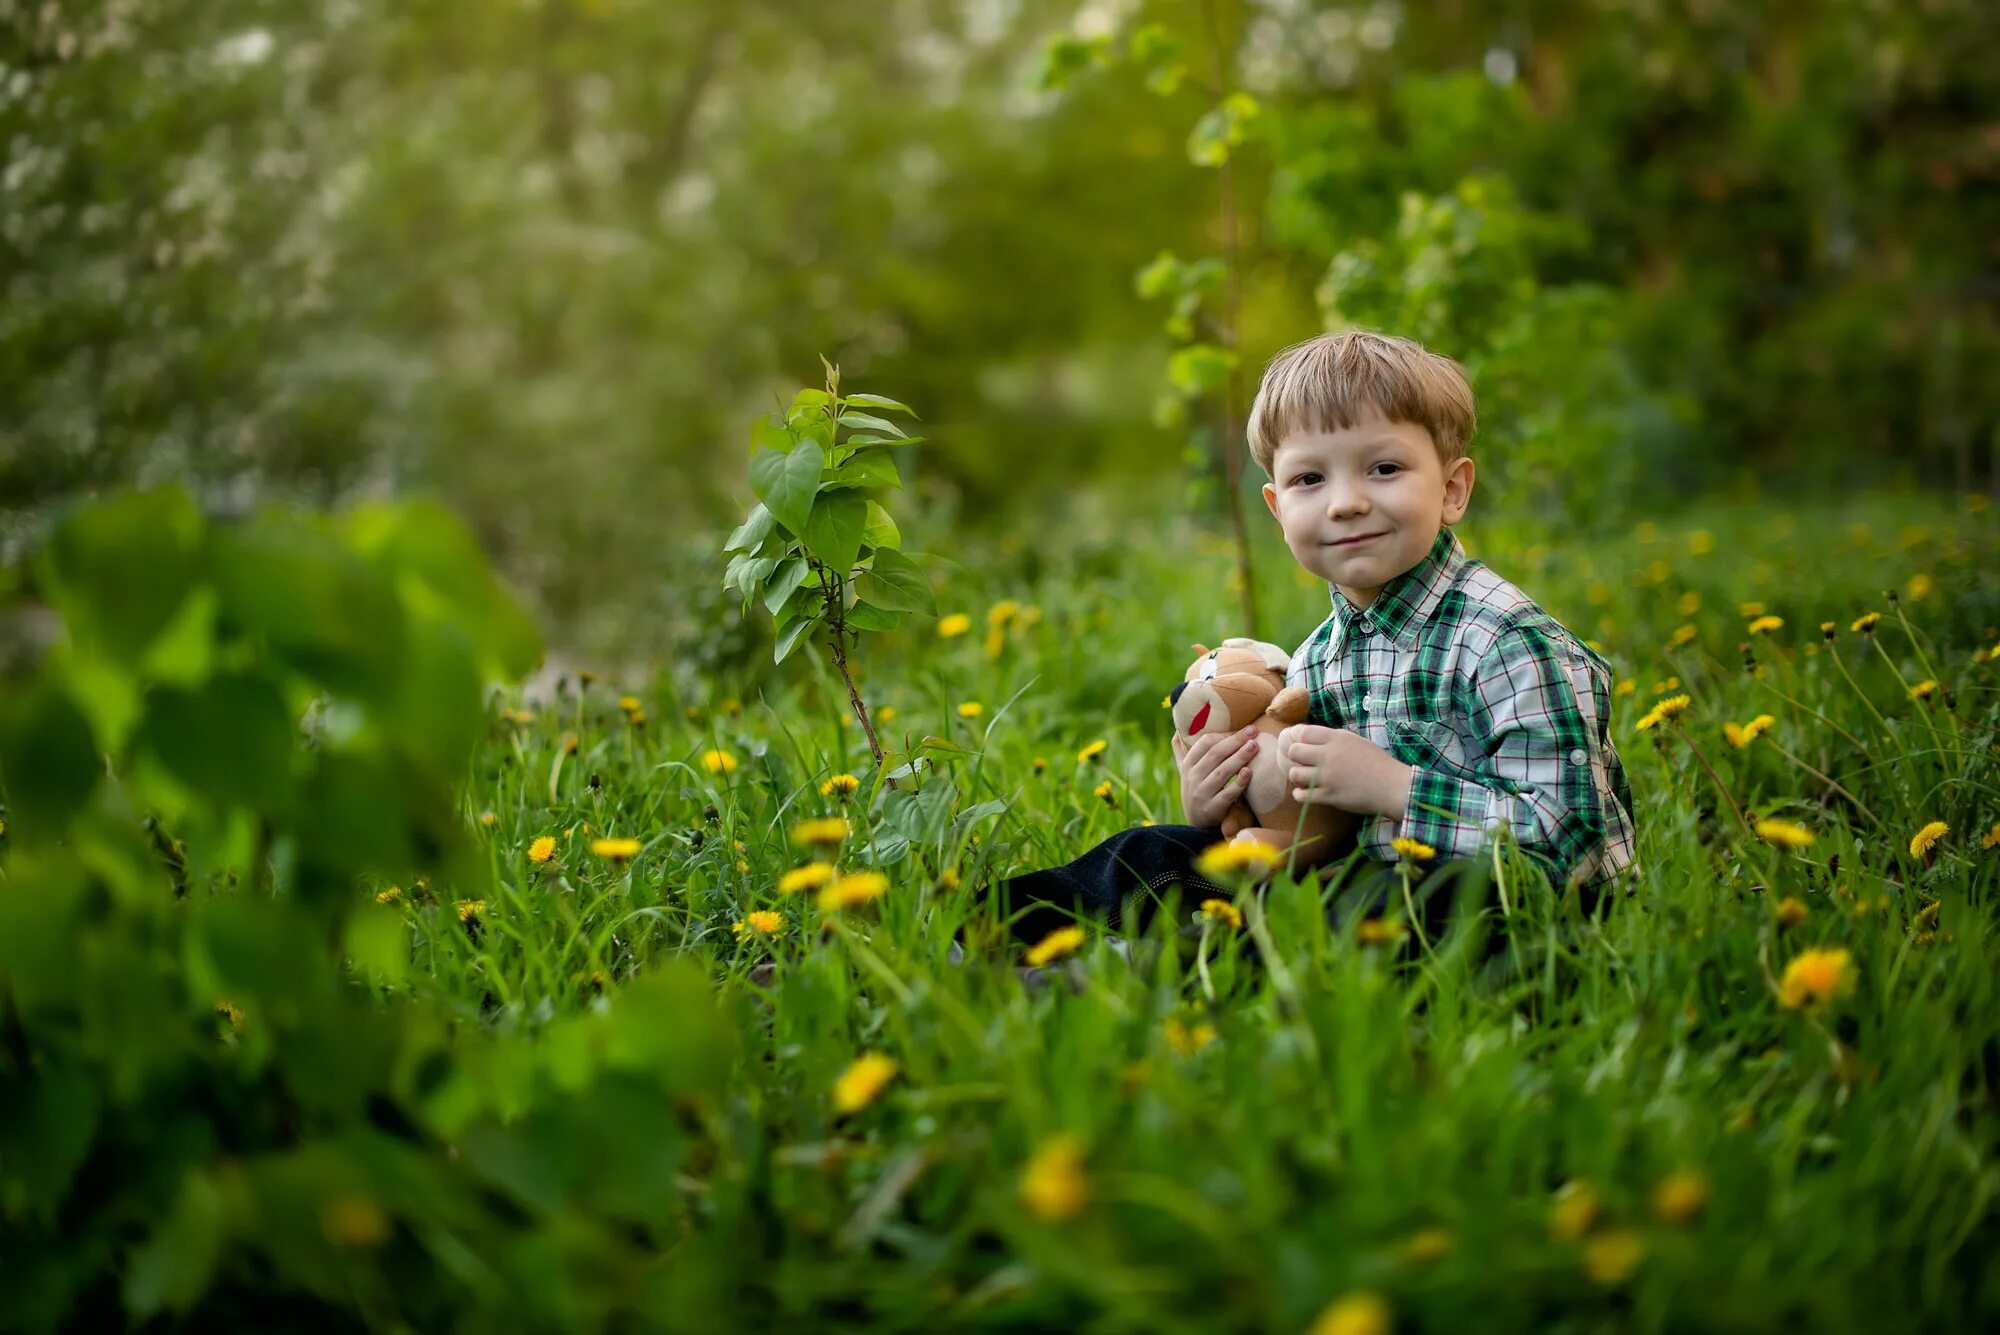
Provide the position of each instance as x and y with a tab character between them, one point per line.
1578	756
1367	702
1367	625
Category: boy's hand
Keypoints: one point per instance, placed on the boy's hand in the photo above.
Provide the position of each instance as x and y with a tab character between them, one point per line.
1215	770
1341	769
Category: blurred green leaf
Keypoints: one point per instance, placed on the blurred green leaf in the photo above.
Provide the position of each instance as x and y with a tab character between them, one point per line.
119	570
788	483
231	738
49	763
834	529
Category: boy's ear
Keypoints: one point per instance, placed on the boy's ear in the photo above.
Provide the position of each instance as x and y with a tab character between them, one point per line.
1271	499
1458	489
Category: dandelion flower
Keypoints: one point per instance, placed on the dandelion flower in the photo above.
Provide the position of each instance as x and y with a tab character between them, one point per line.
231	1012
1701	542
1002	612
1221	911
718	762
1040	764
1378	932
1765	625
1573	1211
762	923
1625	687
1763	723
489	819
1751	609
1920	586
1680	1196
809	877
1062	941
1923	690
1738	738
948	879
1103	793
1052	1185
1922	840
1682	637
630	704
1665	709
822	833
1991	839
843	784
468	909
1865	623
1611	1258
1689	604
1791	911
616	850
1188	1039
886	713
852	891
542	849
1814	977
863	1081
1828	629
1220	860
1353	1314
1413	850
1427	1245
971	709
956	624
389	896
1091	752
1784	833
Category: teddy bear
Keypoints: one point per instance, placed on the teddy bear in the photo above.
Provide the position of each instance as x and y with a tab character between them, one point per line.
1241	683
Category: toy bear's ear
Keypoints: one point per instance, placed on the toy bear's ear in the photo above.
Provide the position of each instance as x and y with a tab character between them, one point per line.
1200	649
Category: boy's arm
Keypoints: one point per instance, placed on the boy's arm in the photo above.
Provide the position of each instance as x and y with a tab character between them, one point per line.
1535	775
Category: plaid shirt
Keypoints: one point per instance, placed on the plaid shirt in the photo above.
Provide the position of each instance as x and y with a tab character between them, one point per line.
1505	715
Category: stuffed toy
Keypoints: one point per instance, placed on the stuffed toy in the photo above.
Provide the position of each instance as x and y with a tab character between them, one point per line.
1242	683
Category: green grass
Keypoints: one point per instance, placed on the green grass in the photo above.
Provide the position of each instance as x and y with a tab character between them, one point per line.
1256	1142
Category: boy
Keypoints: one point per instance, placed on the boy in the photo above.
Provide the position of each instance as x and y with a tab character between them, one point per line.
1446	706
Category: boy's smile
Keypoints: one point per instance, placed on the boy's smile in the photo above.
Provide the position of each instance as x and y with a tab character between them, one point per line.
1362	504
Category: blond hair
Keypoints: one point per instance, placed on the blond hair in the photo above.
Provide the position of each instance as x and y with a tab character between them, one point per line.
1339	380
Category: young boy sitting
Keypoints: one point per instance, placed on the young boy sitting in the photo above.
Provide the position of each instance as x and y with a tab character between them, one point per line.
1446	707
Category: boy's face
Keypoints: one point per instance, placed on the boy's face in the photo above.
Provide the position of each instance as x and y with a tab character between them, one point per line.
1363	504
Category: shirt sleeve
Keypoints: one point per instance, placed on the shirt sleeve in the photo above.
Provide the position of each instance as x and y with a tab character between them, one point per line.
1533	777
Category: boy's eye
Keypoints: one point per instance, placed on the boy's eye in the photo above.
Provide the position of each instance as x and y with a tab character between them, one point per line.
1305	479
1392	468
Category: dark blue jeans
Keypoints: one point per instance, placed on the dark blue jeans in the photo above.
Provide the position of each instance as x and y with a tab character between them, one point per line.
1123	880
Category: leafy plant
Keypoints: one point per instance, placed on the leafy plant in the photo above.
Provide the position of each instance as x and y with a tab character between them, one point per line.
818	549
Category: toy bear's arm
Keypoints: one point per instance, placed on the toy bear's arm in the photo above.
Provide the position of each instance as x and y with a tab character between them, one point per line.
1290	705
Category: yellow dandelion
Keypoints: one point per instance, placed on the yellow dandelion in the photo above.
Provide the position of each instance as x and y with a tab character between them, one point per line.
1765	625
1828	629
996	642
1378	931
1865	623
1682	637
489	819
1649	720
1062	941
852	891
568	743
1792	911
1680	1196
886	713
1920	586
1815	977
718	762
389	896
948	879
1923	690
1922	840
1625	687
971	709
1738	737
1353	1314
1991	839
1667	687
1611	1258
762	923
1188	1039
1752	609
468	909
542	849
616	850
841	784
956	624
630	704
1221	911
863	1081
1002	612
809	877
1689	604
824	832
1784	833
231	1012
1573	1210
1701	542
1103	793
1672	705
1221	860
1760	725
1052	1184
1413	850
1091	752
1040	764
637	718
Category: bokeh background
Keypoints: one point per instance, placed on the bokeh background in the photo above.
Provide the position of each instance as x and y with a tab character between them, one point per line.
546	258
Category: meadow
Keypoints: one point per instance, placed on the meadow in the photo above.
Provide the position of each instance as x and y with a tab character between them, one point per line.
659	1027
1757	1091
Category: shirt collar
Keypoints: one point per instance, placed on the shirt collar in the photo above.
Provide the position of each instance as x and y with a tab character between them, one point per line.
1407	601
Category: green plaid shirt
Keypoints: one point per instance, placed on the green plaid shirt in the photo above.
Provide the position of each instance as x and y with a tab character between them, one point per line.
1505	715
